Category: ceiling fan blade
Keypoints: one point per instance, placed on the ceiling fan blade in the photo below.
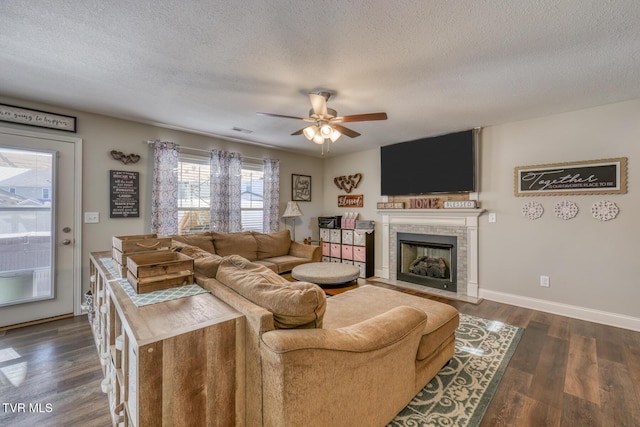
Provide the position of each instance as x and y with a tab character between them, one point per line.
346	131
299	132
281	115
318	104
360	118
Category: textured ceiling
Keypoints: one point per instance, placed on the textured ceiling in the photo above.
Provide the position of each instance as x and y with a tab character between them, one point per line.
435	66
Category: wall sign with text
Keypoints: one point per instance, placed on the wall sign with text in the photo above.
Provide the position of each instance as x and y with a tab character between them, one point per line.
30	117
351	201
124	189
606	176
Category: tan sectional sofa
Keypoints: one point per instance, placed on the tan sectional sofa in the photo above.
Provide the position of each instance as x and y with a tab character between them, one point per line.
355	359
273	250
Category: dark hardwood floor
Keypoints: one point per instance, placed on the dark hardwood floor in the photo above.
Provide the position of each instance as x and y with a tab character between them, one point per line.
565	372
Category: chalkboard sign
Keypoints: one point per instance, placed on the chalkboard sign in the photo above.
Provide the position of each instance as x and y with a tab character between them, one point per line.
125	194
607	176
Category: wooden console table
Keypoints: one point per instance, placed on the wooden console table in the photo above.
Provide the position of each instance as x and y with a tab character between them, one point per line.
172	363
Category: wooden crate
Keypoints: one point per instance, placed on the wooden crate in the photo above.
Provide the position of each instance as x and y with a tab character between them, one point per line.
121	258
125	246
140	243
154	271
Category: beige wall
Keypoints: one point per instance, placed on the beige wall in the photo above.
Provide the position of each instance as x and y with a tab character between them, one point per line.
101	134
368	164
590	263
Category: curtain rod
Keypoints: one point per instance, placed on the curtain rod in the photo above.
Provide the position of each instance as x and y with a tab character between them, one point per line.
206	151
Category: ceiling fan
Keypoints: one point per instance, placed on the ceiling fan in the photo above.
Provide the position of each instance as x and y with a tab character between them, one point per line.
325	122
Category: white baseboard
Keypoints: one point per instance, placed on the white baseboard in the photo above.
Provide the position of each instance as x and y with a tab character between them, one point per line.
582	313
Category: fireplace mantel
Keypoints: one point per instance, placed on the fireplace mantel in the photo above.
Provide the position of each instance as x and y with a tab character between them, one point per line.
458	218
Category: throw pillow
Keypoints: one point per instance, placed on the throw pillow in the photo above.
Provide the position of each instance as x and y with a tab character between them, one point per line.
293	304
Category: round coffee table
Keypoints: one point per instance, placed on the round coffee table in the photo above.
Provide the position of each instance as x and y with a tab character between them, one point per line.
326	273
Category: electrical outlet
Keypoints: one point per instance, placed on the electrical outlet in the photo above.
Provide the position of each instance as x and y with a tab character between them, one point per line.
492	217
544	281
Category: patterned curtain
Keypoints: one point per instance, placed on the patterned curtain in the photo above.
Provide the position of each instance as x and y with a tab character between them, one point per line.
271	195
226	169
164	194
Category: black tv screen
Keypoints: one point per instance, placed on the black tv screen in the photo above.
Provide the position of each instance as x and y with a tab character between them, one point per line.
441	164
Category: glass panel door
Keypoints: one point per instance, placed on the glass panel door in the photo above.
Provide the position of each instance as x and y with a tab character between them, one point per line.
26	216
38	254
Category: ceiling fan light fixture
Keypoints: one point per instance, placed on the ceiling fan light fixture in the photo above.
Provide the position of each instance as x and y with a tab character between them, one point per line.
326	130
324	124
310	132
335	134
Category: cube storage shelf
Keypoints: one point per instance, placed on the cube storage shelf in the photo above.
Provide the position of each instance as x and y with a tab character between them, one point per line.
349	246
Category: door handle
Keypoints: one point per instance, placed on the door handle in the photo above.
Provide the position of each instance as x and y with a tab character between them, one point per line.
66	242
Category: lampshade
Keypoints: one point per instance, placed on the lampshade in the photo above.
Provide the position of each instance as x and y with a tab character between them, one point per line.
310	131
335	134
292	210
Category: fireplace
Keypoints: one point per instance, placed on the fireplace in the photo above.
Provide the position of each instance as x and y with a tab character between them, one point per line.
427	260
461	223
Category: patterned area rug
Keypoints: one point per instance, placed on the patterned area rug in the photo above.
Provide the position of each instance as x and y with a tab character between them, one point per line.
460	394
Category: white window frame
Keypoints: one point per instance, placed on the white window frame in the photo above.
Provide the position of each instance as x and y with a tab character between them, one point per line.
248	165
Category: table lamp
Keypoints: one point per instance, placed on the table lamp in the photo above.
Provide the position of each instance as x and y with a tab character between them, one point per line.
292	211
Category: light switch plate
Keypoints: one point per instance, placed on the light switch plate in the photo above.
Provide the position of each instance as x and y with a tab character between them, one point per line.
91	217
493	217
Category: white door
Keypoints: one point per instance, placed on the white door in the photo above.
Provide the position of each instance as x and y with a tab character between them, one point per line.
37	226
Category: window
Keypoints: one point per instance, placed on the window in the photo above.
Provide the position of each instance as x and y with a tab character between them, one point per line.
194	194
45	194
252	183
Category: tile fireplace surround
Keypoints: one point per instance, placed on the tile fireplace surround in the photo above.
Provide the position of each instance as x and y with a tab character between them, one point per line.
462	223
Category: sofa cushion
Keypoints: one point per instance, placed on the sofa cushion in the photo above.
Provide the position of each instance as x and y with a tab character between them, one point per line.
242	243
360	304
293	304
285	263
273	244
204	262
202	240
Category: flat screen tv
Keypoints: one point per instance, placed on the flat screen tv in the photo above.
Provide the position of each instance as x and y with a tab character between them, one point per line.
441	164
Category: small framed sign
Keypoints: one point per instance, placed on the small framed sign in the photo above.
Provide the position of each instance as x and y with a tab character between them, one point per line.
459	204
351	201
26	116
125	194
606	176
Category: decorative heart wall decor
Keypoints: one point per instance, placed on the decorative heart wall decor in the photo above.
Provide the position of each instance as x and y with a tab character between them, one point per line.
348	183
125	158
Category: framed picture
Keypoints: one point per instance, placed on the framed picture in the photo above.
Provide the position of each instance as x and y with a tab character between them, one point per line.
605	176
300	188
26	116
